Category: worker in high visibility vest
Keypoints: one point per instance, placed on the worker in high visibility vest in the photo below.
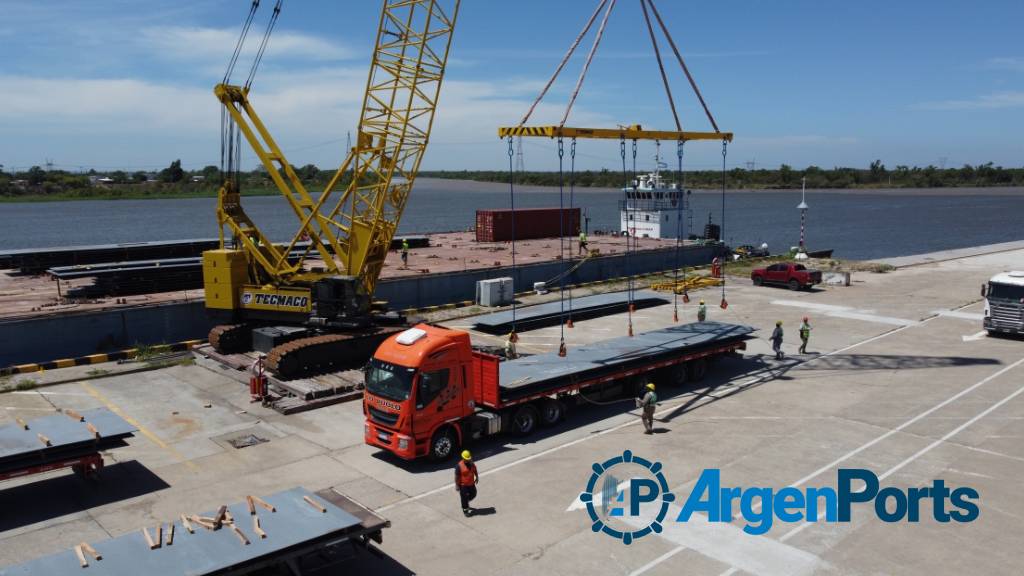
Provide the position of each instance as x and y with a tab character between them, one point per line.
805	335
466	478
405	253
702	312
583	242
647	404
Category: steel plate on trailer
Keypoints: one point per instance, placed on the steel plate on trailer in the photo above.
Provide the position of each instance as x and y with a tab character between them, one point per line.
62	431
531	370
586	306
205	551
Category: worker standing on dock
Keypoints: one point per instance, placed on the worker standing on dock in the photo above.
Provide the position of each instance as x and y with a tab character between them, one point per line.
583	242
510	346
405	253
702	312
466	478
805	335
777	340
647	404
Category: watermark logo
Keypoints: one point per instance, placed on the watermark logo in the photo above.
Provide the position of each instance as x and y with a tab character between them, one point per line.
628	497
623	489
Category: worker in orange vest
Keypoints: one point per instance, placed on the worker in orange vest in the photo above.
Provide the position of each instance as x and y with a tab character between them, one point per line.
466	478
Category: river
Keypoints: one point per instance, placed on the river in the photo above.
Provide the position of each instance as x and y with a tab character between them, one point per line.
857	224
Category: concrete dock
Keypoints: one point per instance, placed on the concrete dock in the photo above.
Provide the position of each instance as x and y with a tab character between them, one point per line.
900	380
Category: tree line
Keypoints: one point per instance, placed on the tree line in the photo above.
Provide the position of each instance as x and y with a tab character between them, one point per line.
784	177
173	179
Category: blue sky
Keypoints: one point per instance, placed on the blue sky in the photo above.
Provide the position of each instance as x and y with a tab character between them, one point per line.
127	83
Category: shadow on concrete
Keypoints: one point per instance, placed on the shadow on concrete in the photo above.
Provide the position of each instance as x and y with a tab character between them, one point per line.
891	362
484	511
346	558
58	496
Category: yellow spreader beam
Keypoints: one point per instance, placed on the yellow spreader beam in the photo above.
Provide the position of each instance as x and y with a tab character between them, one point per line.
634	132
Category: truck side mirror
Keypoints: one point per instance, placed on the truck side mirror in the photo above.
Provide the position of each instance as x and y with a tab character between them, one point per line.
984	290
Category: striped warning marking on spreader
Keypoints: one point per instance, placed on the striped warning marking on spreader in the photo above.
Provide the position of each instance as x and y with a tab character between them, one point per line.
96	358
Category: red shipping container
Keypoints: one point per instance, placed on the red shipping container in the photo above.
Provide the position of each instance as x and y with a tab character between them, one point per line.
497	225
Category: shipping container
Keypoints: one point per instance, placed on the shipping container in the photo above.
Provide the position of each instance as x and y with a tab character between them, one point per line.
497	225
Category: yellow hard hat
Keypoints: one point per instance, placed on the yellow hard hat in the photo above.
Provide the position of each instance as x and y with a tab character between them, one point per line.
778	322
701	301
650	386
466	455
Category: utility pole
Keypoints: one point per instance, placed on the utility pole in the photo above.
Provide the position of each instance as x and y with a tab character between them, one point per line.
802	252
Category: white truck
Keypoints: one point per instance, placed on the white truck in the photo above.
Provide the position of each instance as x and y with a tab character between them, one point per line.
1004	303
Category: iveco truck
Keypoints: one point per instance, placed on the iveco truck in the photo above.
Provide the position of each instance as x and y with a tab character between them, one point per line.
428	390
1004	303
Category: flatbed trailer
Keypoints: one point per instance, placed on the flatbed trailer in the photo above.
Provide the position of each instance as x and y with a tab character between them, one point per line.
428	391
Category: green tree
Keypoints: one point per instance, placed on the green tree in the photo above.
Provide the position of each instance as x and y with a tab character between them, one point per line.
210	173
35	176
172	173
139	177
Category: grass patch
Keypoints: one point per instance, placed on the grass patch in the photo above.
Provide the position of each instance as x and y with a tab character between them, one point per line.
187	361
97	372
144	352
26	384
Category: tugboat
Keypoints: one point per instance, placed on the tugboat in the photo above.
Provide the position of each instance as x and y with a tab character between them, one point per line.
645	212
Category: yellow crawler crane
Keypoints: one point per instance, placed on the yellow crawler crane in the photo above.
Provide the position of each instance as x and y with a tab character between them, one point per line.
322	279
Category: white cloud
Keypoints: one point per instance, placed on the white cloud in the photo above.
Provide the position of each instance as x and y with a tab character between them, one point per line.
997	100
199	43
1015	63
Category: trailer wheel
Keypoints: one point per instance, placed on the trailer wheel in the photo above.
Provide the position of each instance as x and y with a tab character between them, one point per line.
677	375
551	411
696	369
442	445
524	422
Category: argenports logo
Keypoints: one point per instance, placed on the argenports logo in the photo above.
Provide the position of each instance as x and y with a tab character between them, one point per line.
628	497
647	491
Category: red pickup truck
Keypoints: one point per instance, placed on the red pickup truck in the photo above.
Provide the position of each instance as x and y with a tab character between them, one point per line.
795	276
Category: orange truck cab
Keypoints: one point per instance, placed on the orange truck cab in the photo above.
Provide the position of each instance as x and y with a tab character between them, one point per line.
429	392
417	391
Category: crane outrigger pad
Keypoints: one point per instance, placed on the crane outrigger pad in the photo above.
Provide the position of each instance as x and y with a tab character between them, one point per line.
551	313
634	132
524	376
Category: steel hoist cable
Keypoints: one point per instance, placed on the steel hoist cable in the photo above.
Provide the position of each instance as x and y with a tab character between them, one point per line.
725	152
572	188
263	44
561	247
512	205
241	41
628	215
680	185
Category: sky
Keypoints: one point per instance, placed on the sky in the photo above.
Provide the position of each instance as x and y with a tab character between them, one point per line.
127	84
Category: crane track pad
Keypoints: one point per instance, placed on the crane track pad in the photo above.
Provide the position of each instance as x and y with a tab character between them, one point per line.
318	354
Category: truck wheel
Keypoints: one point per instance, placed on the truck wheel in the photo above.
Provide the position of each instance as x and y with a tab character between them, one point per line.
524	422
442	445
696	369
551	411
678	375
794	285
758	280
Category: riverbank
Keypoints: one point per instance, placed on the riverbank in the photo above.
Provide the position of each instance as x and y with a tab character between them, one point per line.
134	194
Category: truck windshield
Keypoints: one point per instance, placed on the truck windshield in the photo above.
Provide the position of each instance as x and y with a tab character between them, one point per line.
389	380
1005	291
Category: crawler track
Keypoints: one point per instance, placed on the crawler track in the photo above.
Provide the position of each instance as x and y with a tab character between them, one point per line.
327	352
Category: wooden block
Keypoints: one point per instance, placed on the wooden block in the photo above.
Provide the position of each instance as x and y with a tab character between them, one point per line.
160	535
187	524
81	557
241	536
92	551
314	504
74	415
262	503
44	439
204	523
22	423
257	528
92	429
252	505
218	518
170	534
149	539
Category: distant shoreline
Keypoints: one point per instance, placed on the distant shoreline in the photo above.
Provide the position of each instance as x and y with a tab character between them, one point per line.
436	185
